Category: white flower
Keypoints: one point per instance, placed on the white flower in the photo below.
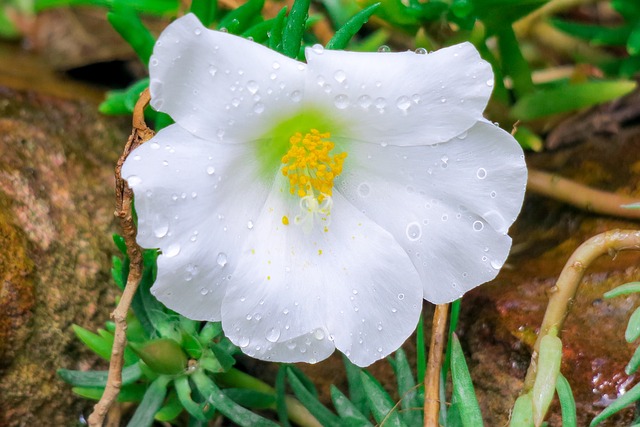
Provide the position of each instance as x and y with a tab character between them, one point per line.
314	206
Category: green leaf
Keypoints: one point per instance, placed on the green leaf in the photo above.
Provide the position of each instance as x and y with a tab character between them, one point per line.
120	243
100	345
522	413
128	393
630	397
151	403
567	402
129	25
170	410
275	37
348	412
163	355
149	311
259	32
528	139
633	43
634	362
421	351
569	98
294	28
183	390
238	20
191	345
130	374
209	331
305	380
205	10
343	36
595	34
463	390
626	289
230	409
129	356
357	394
410	403
381	404
310	401
116	272
281	397
513	63
251	398
498	14
549	359
154	7
633	327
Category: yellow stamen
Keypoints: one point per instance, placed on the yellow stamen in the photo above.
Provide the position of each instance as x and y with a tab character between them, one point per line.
285	220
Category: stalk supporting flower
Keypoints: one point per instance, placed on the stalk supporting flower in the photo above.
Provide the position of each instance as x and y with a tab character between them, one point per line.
310	206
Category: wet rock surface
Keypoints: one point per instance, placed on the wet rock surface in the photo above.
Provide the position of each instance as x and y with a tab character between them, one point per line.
56	219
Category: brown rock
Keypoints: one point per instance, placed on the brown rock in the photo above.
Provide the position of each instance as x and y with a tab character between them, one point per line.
56	218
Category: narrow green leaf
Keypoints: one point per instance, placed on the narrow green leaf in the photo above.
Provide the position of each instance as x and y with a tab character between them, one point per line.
162	355
595	34
191	345
128	24
528	139
128	393
251	398
421	352
567	402
238	20
183	389
281	401
259	32
522	413
305	380
634	362
310	401
120	243
348	412
98	344
129	356
630	397
381	404
357	394
275	37
411	406
230	409
130	374
294	28
633	327
154	7
343	36
205	10
463	387
626	289
513	63
549	359
170	410
454	315
209	331
116	272
151	403
569	97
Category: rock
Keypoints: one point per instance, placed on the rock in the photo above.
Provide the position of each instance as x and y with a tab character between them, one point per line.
56	219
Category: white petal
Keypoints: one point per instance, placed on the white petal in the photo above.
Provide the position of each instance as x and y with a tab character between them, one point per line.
391	98
296	295
449	205
194	199
213	83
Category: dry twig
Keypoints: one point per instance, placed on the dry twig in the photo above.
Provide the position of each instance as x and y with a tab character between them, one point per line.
434	366
124	199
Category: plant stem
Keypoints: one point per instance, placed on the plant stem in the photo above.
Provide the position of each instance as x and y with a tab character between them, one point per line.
581	196
124	200
434	367
296	411
566	287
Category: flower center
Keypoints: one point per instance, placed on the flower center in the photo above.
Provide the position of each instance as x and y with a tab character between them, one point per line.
311	169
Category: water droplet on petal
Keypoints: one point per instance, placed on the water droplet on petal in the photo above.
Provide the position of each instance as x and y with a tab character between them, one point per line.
296	96
493	194
463	135
340	76
384	48
153	62
211	170
212	70
172	250
252	87
317	49
421	51
478	226
244	342
161	227
381	102
482	173
445	161
276	65
413	231
364	189
403	103
250	225
490	82
222	259
204	291
133	180
258	107
273	335
364	101
341	101
400	297
318	334
197	31
496	264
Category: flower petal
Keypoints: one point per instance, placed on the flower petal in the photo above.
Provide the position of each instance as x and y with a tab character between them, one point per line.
212	83
194	199
297	294
448	205
393	97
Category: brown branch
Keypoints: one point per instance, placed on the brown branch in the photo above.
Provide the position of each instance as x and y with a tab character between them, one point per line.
434	366
124	198
581	196
564	291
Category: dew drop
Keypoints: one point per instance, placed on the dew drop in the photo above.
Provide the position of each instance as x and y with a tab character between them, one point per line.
318	49
211	170
364	101
273	335
161	227
235	102
197	31
421	51
318	334
413	231
275	65
445	161
490	82
364	189
172	250
478	226
381	102
463	135
222	259
133	180
341	101
384	48
379	326
258	107
244	342
250	225
204	291
403	103
340	76
496	264
252	87
212	70
443	100
482	173
493	194
296	96
445	217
